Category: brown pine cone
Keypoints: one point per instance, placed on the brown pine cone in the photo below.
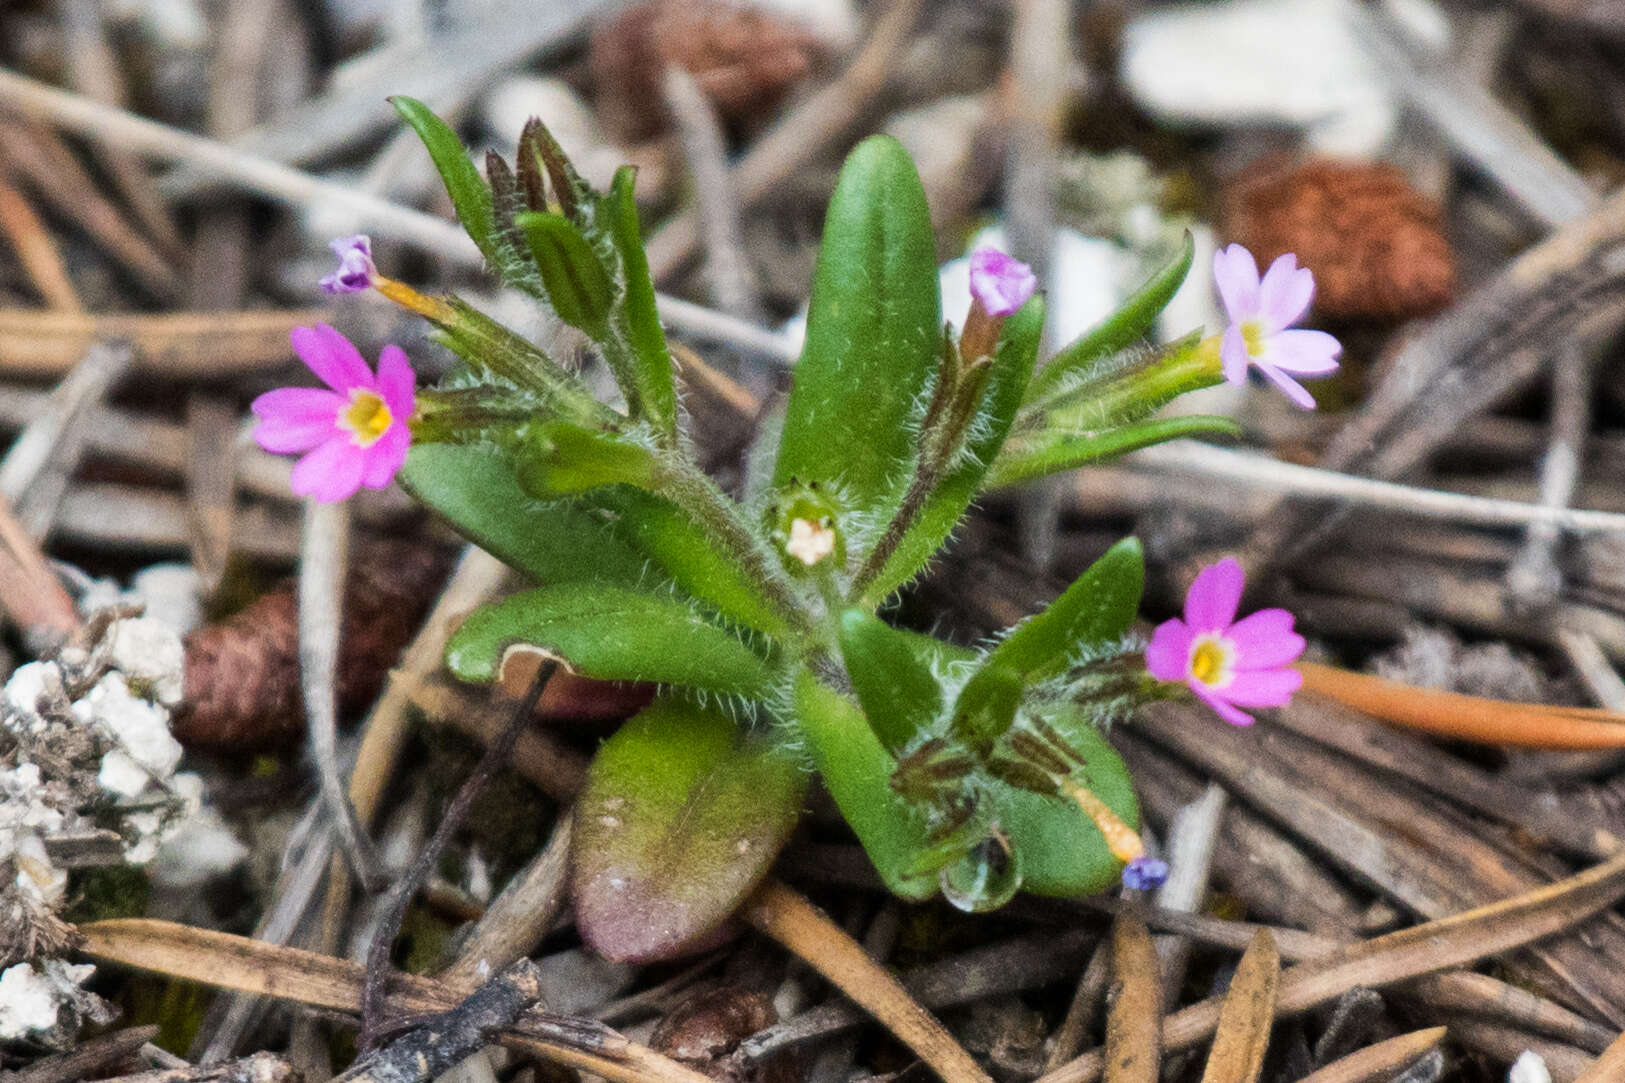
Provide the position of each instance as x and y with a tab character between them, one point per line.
1374	242
242	674
745	60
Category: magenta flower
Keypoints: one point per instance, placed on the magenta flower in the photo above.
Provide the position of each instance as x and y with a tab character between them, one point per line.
356	433
1001	283
356	271
1226	662
1261	318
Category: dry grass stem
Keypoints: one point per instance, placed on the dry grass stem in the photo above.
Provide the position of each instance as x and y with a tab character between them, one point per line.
1243	1032
1133	1051
36	250
1380	1061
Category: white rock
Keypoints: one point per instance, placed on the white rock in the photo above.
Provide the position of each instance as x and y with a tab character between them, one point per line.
121	775
1292	62
200	848
150	653
1529	1068
514	100
36	876
28	1002
28	682
140	728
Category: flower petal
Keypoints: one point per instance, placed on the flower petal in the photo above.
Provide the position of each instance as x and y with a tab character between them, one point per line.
382	461
1289	387
1223	709
295	418
1210	604
331	357
1233	355
1235	273
1285	293
1265	640
1263	688
397	383
331	472
1168	655
1304	353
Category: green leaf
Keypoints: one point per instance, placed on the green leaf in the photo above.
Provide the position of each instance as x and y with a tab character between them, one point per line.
1013	362
645	338
873	332
1123	327
1097	609
541	156
678	823
610	633
491	349
675	542
1063	853
474	487
1025	465
469	194
573	278
560	459
857	771
899	693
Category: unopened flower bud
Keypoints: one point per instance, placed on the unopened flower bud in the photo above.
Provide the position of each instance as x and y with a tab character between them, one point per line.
356	271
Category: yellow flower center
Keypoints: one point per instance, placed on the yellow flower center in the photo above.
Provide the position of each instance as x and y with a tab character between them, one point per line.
1252	336
367	417
1210	661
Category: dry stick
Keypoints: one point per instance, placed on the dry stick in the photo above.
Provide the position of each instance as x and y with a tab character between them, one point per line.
1134	1021
1533	578
787	917
36	250
1248	1013
93	1057
552	766
1379	1061
1507	1044
138	520
30	595
1608	1068
324	557
705	152
93	67
1255	471
1069	1037
517	920
808	131
284	184
322	981
1191	838
258	1068
212	429
184	344
1410	953
496	756
34	474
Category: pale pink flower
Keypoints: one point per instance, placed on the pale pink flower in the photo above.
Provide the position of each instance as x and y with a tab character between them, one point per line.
356	433
1002	283
1261	317
355	271
1226	662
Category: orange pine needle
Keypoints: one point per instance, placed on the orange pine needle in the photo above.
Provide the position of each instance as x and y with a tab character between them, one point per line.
1467	718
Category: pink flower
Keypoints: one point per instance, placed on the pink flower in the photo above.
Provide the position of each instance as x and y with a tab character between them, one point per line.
1226	662
356	271
356	434
1261	315
1002	283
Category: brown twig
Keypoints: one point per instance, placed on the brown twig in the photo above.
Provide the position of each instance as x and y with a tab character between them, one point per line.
789	918
517	920
1379	1061
1133	1049
1243	1031
94	1056
36	250
451	821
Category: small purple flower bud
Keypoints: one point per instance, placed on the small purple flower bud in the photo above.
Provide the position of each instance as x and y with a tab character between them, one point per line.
1001	283
1145	873
356	270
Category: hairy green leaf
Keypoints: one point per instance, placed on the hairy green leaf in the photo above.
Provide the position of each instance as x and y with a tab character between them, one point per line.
644	336
873	332
469	194
611	633
680	819
573	278
1020	465
1127	325
899	693
560	459
555	542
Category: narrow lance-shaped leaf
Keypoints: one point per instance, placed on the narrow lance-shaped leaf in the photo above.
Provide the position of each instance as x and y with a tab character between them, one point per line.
679	821
573	278
1026	464
1097	609
1131	322
899	693
873	329
560	459
610	633
650	360
469	195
